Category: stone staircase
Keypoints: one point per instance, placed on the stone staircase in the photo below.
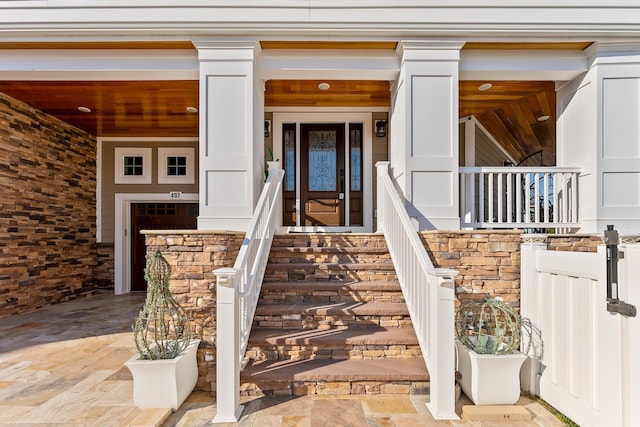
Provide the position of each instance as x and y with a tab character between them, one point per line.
331	319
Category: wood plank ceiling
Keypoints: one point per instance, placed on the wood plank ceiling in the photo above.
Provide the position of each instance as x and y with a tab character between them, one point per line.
509	110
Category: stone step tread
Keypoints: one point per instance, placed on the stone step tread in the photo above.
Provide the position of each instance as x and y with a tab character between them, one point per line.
387	266
333	336
331	249
337	370
334	285
339	308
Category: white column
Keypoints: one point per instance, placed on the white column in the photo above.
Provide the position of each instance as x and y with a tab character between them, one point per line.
424	132
598	131
231	134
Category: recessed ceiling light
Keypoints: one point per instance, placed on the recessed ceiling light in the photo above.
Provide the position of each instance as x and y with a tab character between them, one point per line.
484	86
324	86
84	109
543	118
192	109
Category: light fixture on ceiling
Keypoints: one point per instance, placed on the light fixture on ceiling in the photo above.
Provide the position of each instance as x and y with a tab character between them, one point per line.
324	86
84	109
192	109
543	118
484	86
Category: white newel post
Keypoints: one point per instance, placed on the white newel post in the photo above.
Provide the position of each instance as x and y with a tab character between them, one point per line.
228	407
531	369
231	134
424	132
598	132
442	402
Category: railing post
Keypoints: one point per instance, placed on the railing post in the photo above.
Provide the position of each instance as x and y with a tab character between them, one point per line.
382	168
442	404
228	407
531	370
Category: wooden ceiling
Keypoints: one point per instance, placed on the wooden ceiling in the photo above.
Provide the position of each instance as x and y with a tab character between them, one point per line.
509	110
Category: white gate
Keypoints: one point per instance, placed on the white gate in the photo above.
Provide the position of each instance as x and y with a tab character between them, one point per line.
583	359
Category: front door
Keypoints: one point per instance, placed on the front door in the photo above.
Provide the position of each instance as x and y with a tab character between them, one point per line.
322	175
155	216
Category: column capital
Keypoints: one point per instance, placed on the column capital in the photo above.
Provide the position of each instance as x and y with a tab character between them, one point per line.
417	50
227	49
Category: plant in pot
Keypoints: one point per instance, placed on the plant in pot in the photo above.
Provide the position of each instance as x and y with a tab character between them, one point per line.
165	370
489	362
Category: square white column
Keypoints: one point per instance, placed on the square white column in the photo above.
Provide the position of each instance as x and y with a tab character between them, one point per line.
231	134
424	132
599	131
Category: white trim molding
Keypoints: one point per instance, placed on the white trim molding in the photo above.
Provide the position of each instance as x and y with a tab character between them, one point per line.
122	246
119	155
164	153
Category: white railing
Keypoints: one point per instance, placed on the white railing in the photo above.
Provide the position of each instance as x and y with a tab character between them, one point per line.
238	289
519	197
428	293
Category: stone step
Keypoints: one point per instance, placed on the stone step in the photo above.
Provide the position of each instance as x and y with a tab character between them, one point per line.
323	316
313	271
326	240
334	343
330	292
335	377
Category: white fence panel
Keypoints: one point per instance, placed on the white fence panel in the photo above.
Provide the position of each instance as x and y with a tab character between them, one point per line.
583	363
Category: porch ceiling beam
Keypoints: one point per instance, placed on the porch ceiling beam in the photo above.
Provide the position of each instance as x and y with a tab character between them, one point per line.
107	64
329	64
522	65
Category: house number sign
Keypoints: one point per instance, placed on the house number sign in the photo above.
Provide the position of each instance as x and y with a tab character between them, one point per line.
175	195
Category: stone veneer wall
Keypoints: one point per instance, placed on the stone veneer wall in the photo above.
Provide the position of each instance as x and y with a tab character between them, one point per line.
193	255
47	209
105	270
488	262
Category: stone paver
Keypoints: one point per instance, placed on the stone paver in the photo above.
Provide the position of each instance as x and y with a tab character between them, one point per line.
63	365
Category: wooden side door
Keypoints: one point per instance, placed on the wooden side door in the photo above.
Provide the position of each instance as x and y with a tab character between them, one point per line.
322	174
155	216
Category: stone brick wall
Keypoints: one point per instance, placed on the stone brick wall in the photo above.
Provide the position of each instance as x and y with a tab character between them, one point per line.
488	262
105	268
47	209
193	255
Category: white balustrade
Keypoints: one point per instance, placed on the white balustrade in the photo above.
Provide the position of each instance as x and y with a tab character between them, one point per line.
428	293
534	198
238	289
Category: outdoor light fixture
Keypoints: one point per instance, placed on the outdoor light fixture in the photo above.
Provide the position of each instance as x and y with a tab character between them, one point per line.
324	86
84	109
484	86
381	128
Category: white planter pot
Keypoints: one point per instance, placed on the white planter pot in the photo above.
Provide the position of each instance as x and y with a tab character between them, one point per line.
164	383
490	379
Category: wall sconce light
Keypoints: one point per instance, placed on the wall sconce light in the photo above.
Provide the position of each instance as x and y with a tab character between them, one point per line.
267	128
381	128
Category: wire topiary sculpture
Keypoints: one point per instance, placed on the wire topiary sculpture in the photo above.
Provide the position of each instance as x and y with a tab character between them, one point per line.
488	326
161	330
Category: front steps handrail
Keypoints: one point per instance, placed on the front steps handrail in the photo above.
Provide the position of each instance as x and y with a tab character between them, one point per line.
238	290
428	293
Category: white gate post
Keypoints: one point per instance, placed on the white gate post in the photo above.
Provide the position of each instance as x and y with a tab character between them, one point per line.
228	407
530	372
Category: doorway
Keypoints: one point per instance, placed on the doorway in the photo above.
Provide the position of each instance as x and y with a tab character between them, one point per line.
155	216
327	159
322	174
